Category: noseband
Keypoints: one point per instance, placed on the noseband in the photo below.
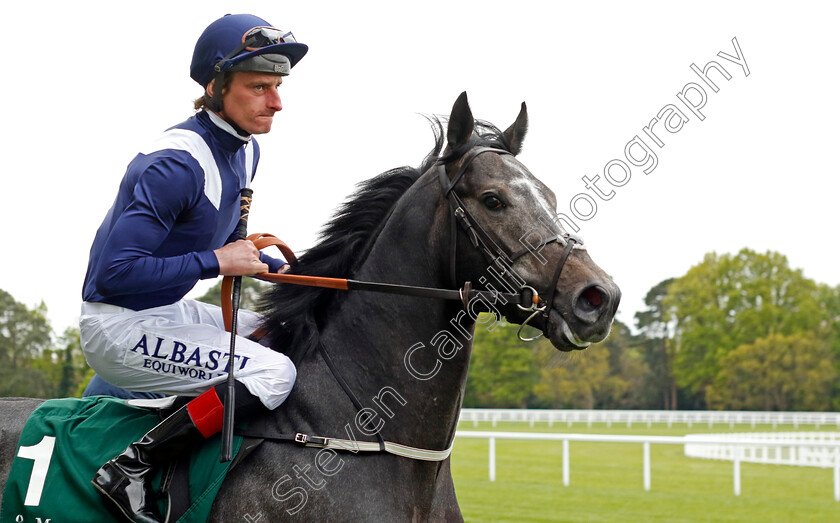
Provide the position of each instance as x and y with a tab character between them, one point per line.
498	259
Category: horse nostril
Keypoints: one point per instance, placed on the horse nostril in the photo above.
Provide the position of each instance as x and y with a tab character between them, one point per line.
591	298
590	303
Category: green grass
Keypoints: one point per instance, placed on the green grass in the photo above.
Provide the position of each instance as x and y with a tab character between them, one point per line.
606	480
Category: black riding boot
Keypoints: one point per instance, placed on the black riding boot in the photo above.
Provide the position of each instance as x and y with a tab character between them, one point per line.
123	482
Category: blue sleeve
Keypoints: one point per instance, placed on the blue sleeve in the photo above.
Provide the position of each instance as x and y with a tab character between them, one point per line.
274	264
130	261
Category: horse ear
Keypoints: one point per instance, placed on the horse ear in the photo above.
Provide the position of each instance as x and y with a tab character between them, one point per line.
515	134
461	123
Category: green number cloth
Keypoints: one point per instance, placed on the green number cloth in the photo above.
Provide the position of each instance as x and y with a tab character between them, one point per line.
64	443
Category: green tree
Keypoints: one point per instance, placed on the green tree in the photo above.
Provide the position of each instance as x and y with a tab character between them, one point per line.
598	377
248	297
24	334
580	380
26	382
25	342
657	349
636	373
731	300
778	372
74	367
830	330
502	368
31	365
57	372
628	372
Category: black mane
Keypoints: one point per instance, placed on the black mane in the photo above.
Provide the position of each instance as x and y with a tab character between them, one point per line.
293	313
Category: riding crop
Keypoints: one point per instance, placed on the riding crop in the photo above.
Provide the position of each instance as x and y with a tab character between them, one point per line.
227	424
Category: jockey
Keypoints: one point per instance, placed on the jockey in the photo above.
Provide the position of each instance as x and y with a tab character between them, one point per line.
173	222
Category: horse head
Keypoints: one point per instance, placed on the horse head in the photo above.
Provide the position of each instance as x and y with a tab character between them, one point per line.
513	241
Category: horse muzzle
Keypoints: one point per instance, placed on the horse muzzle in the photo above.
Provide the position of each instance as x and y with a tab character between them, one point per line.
574	324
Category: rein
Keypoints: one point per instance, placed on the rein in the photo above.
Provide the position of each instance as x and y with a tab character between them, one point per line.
464	295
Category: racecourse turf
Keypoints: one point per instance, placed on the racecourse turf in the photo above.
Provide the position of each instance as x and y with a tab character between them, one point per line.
606	480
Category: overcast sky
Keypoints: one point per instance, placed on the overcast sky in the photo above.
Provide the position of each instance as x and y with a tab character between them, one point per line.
85	85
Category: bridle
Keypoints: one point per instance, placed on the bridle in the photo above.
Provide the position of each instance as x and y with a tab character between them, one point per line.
495	256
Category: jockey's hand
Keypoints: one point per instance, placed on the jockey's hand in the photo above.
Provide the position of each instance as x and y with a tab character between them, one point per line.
240	258
284	268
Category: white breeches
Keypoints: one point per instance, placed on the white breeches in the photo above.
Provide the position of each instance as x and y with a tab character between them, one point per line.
180	349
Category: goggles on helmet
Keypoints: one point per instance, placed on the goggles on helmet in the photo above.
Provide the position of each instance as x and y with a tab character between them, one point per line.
260	37
254	39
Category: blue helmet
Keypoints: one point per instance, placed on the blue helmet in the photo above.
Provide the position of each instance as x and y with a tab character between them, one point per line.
243	43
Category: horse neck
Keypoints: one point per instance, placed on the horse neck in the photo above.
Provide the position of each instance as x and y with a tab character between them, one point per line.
386	347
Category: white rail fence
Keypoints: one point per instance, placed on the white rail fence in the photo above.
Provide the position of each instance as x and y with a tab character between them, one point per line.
830	449
649	417
769	451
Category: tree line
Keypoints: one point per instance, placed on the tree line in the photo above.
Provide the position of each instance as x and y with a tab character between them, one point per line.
738	331
34	361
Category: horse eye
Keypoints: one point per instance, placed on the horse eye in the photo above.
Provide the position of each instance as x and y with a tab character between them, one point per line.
493	202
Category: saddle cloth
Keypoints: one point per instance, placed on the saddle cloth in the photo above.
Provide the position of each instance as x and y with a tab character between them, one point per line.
63	444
